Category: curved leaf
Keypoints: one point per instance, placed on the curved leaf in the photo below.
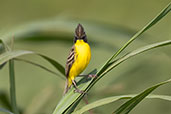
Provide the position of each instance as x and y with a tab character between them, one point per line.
129	105
55	64
108	100
165	11
135	52
13	54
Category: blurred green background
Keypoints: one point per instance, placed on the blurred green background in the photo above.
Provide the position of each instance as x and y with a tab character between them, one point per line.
47	27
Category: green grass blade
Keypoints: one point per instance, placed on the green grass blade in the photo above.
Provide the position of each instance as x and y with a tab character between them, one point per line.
54	63
135	52
5	111
12	87
108	100
149	25
71	98
13	54
129	105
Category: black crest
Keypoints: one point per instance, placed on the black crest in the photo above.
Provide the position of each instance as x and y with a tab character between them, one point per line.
80	33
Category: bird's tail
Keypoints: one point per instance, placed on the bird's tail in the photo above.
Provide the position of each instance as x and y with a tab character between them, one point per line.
68	84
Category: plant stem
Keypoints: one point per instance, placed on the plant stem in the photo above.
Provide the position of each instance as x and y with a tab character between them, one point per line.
12	87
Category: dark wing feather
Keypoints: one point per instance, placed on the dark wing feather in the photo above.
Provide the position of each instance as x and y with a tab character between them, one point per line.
70	61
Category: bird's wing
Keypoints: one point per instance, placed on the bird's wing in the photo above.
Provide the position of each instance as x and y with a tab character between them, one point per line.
70	61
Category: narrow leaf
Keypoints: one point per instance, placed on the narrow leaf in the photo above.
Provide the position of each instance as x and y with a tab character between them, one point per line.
13	54
135	52
129	105
150	24
108	100
54	63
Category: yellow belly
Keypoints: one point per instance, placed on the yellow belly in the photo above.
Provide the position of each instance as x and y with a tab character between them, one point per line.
82	59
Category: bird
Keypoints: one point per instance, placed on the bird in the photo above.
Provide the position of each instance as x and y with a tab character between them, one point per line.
78	58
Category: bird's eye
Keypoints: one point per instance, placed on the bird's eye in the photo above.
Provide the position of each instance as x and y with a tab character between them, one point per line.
75	39
83	37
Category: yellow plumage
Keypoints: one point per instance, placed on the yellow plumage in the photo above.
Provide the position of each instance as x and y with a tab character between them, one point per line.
82	59
78	59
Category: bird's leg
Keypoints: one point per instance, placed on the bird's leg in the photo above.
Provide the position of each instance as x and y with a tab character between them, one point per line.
81	75
76	88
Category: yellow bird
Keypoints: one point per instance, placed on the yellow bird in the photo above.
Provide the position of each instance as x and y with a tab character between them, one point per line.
78	59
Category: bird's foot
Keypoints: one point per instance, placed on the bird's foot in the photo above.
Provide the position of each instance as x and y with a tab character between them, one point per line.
79	91
92	76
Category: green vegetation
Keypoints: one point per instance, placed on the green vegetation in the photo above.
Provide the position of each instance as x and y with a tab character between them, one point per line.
37	78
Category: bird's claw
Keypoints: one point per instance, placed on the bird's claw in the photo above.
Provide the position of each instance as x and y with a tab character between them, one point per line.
79	91
92	75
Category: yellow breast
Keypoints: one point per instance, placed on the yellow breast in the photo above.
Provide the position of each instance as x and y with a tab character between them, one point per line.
82	58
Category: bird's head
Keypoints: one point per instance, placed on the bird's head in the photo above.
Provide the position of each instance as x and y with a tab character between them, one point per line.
80	34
